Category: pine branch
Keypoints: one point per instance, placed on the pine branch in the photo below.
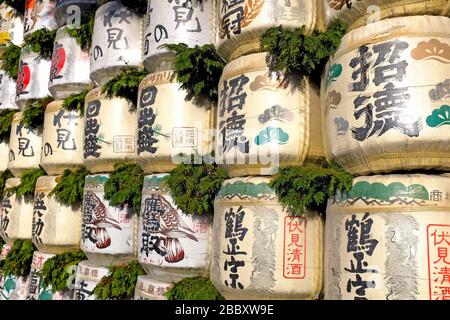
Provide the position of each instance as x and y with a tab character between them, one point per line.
4	176
83	35
198	288
42	41
6	118
34	111
70	187
10	59
27	182
76	102
18	260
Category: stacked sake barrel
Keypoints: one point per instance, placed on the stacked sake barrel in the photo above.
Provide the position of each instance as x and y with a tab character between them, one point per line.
170	130
108	233
264	122
386	110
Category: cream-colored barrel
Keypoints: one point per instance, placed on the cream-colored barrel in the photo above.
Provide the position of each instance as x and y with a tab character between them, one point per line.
172	244
64	10
17	218
116	41
32	78
36	288
150	289
7	92
109	234
24	147
169	126
264	122
171	22
69	72
362	12
13	288
39	15
11	28
388	239
240	24
62	139
4	250
87	277
56	227
4	154
109	132
259	251
385	104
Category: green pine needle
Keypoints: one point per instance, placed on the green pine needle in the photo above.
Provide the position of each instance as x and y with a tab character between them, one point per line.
42	41
198	69
124	186
18	260
83	35
294	52
34	111
70	188
10	59
6	118
76	102
194	186
5	175
125	85
309	187
120	283
198	288
18	5
55	270
28	182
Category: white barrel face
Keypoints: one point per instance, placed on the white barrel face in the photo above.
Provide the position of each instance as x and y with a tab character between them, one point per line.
69	71
385	103
4	154
387	239
62	139
240	24
168	125
150	289
109	234
87	277
259	252
109	132
116	41
171	22
265	122
7	92
11	29
13	288
25	146
39	14
172	244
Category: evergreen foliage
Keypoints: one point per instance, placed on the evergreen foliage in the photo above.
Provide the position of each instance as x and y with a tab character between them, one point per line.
28	182
309	187
34	111
194	186
294	52
125	85
10	59
198	288
18	260
83	35
5	175
76	102
124	186
6	118
198	69
42	41
70	187
55	270
120	283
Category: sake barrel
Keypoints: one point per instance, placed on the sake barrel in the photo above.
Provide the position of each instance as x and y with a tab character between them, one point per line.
32	78
39	14
69	72
62	139
87	277
37	289
172	244
264	121
116	41
17	217
11	27
169	22
259	251
4	153
240	24
150	289
387	239
168	125
24	147
13	288
7	92
379	114
67	11
109	234
56	227
362	12
109	132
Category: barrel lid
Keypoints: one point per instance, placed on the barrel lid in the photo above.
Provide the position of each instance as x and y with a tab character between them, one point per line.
155	181
147	280
158	78
47	183
247	188
17	117
54	106
96	180
11	183
403	192
250	62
